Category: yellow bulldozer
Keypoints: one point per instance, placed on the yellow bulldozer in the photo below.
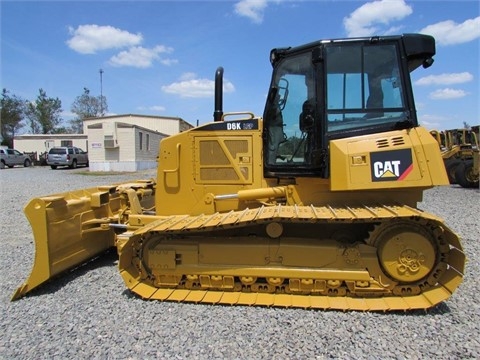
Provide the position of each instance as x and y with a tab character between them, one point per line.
467	172
459	149
312	205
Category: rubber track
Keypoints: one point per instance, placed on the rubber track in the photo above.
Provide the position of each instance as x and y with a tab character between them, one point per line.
446	285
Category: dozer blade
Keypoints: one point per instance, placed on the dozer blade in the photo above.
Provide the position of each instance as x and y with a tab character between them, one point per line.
73	227
68	231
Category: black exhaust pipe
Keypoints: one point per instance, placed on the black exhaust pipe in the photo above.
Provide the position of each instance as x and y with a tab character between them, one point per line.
218	113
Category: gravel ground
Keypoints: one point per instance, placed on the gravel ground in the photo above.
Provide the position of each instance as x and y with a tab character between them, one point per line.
90	314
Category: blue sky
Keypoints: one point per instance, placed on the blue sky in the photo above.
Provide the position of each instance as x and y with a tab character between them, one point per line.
159	57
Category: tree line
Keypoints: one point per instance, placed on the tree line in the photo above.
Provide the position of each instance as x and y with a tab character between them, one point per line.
43	115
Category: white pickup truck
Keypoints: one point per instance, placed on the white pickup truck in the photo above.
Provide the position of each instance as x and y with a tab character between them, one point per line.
12	157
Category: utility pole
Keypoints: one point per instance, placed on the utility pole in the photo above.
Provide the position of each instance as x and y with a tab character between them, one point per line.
101	91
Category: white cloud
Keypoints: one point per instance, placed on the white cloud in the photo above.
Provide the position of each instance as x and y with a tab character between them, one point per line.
157	108
449	32
394	30
189	85
432	121
252	9
188	76
141	57
429	125
447	93
88	39
365	20
445	79
168	62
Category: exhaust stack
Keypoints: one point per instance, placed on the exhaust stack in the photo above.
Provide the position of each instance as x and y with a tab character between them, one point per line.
218	113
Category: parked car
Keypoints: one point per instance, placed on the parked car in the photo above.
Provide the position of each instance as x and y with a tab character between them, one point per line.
66	156
12	157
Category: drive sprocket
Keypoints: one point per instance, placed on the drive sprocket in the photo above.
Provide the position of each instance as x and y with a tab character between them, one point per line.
411	253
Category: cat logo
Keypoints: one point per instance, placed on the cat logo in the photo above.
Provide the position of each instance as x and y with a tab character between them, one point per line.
391	165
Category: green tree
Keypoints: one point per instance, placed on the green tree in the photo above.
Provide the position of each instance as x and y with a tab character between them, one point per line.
12	114
87	106
44	114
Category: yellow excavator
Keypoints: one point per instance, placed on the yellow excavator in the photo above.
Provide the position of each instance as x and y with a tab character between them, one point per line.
313	205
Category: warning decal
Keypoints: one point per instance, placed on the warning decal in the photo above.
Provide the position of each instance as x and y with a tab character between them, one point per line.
391	165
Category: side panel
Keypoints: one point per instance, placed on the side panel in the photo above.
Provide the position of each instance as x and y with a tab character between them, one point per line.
216	159
396	159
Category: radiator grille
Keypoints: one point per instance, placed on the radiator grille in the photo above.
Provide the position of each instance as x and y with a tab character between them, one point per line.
211	153
218	173
223	161
236	146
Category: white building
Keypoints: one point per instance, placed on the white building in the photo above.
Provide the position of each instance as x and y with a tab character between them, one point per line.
122	147
41	143
114	143
163	124
128	142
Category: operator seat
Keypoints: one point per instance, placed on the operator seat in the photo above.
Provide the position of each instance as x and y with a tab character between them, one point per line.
306	125
306	117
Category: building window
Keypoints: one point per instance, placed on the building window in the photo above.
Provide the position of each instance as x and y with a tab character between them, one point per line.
140	139
66	143
147	142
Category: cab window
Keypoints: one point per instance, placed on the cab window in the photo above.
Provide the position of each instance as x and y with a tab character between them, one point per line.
363	86
287	125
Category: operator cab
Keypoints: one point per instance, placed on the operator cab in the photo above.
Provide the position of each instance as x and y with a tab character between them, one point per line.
337	89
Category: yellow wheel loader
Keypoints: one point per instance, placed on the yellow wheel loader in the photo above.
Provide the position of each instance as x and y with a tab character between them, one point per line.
312	205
